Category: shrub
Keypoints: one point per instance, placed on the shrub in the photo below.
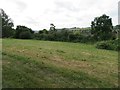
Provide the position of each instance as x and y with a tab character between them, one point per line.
109	45
25	35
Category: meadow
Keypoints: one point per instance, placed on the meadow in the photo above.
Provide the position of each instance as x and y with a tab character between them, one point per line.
50	64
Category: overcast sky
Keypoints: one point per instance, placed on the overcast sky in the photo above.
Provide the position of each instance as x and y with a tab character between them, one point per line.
38	14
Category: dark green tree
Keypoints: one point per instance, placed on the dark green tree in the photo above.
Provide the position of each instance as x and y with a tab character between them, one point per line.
44	31
25	35
52	28
7	24
24	31
117	29
102	28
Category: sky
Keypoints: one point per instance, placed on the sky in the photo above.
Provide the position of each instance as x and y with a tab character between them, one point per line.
39	14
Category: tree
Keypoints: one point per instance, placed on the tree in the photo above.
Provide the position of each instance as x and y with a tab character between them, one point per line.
44	31
25	35
8	32
52	27
7	24
117	30
24	30
102	28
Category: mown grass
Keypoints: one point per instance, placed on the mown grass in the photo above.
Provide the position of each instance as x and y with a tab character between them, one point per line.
47	64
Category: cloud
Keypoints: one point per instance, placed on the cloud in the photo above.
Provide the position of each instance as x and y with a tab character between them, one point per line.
21	6
18	5
66	5
38	14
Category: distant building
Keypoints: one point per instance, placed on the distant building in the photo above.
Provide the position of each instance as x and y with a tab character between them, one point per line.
83	31
36	31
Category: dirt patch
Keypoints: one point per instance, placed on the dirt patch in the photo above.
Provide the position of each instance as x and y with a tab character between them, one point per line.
86	53
69	64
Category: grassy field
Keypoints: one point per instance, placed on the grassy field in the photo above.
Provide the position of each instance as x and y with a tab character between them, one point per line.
47	64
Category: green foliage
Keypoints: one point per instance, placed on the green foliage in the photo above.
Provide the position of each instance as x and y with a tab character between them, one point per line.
63	35
8	32
7	25
25	35
22	31
117	31
102	28
44	31
109	45
52	28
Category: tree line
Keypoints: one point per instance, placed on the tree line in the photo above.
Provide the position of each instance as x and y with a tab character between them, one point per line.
101	29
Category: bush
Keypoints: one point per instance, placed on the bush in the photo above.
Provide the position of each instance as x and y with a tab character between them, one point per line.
109	45
25	35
